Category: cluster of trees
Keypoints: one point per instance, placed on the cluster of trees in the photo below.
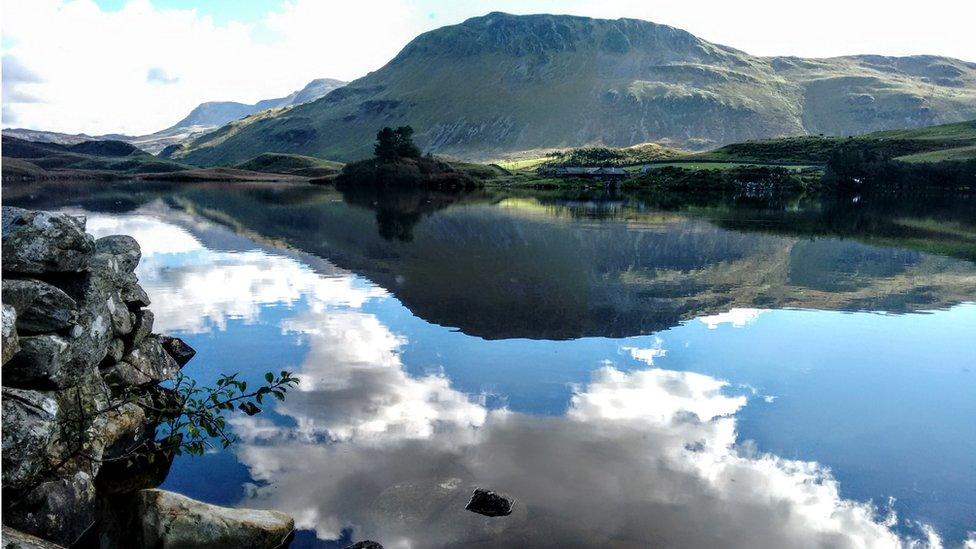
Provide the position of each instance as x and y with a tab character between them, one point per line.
863	166
392	144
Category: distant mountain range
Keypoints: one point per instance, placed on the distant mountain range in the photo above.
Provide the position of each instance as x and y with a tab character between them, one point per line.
500	83
202	119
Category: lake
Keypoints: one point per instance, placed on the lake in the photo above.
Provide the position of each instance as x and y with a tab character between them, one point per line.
747	371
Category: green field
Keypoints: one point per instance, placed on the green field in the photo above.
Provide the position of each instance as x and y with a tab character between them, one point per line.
952	155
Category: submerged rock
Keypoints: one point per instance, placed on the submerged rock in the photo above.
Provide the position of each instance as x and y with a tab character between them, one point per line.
40	306
490	504
365	544
44	242
166	519
11	343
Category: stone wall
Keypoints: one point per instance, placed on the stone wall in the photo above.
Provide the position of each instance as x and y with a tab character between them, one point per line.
78	343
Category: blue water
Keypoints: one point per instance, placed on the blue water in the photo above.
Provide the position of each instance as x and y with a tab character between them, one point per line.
778	425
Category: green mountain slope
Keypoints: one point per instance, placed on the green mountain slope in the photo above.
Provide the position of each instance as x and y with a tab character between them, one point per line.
503	83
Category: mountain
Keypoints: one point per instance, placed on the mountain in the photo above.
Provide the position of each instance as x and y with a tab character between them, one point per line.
218	113
501	83
203	118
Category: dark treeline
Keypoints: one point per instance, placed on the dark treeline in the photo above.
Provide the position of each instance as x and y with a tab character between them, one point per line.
856	165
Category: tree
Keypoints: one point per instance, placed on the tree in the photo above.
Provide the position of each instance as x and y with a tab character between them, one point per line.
392	144
405	146
386	144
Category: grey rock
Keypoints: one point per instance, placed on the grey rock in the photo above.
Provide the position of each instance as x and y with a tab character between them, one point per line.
61	510
141	329
133	295
122	375
137	472
40	306
15	539
149	359
178	349
95	328
116	349
119	313
42	361
29	427
44	242
490	504
165	519
11	343
365	544
123	248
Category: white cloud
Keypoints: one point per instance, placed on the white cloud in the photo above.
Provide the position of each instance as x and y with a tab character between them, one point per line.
648	457
94	64
737	317
195	289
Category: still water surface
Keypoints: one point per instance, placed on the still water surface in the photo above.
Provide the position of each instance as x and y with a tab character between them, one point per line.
727	373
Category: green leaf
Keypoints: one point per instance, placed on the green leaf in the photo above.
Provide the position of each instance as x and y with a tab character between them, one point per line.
269	377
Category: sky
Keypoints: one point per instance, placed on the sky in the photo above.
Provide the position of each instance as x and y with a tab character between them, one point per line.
138	66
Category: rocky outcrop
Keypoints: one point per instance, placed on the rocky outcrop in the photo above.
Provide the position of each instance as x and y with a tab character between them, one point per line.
77	345
72	314
157	518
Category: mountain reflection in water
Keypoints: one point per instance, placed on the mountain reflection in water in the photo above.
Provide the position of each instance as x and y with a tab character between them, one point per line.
633	373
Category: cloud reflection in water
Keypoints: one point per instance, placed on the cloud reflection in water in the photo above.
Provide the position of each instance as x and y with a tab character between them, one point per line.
639	458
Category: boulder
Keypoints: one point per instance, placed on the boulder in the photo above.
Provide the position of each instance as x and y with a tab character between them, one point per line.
11	343
165	519
95	328
141	328
40	306
132	293
151	360
60	510
29	427
116	350
14	539
490	504
123	248
178	349
138	472
119	314
44	242
41	362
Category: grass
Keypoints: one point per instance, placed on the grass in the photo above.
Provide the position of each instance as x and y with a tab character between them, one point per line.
955	154
720	165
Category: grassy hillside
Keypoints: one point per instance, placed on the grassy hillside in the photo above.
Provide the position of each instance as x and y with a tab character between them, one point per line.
931	143
500	83
292	164
110	156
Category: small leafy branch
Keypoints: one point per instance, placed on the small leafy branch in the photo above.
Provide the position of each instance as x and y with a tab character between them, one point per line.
183	416
201	421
